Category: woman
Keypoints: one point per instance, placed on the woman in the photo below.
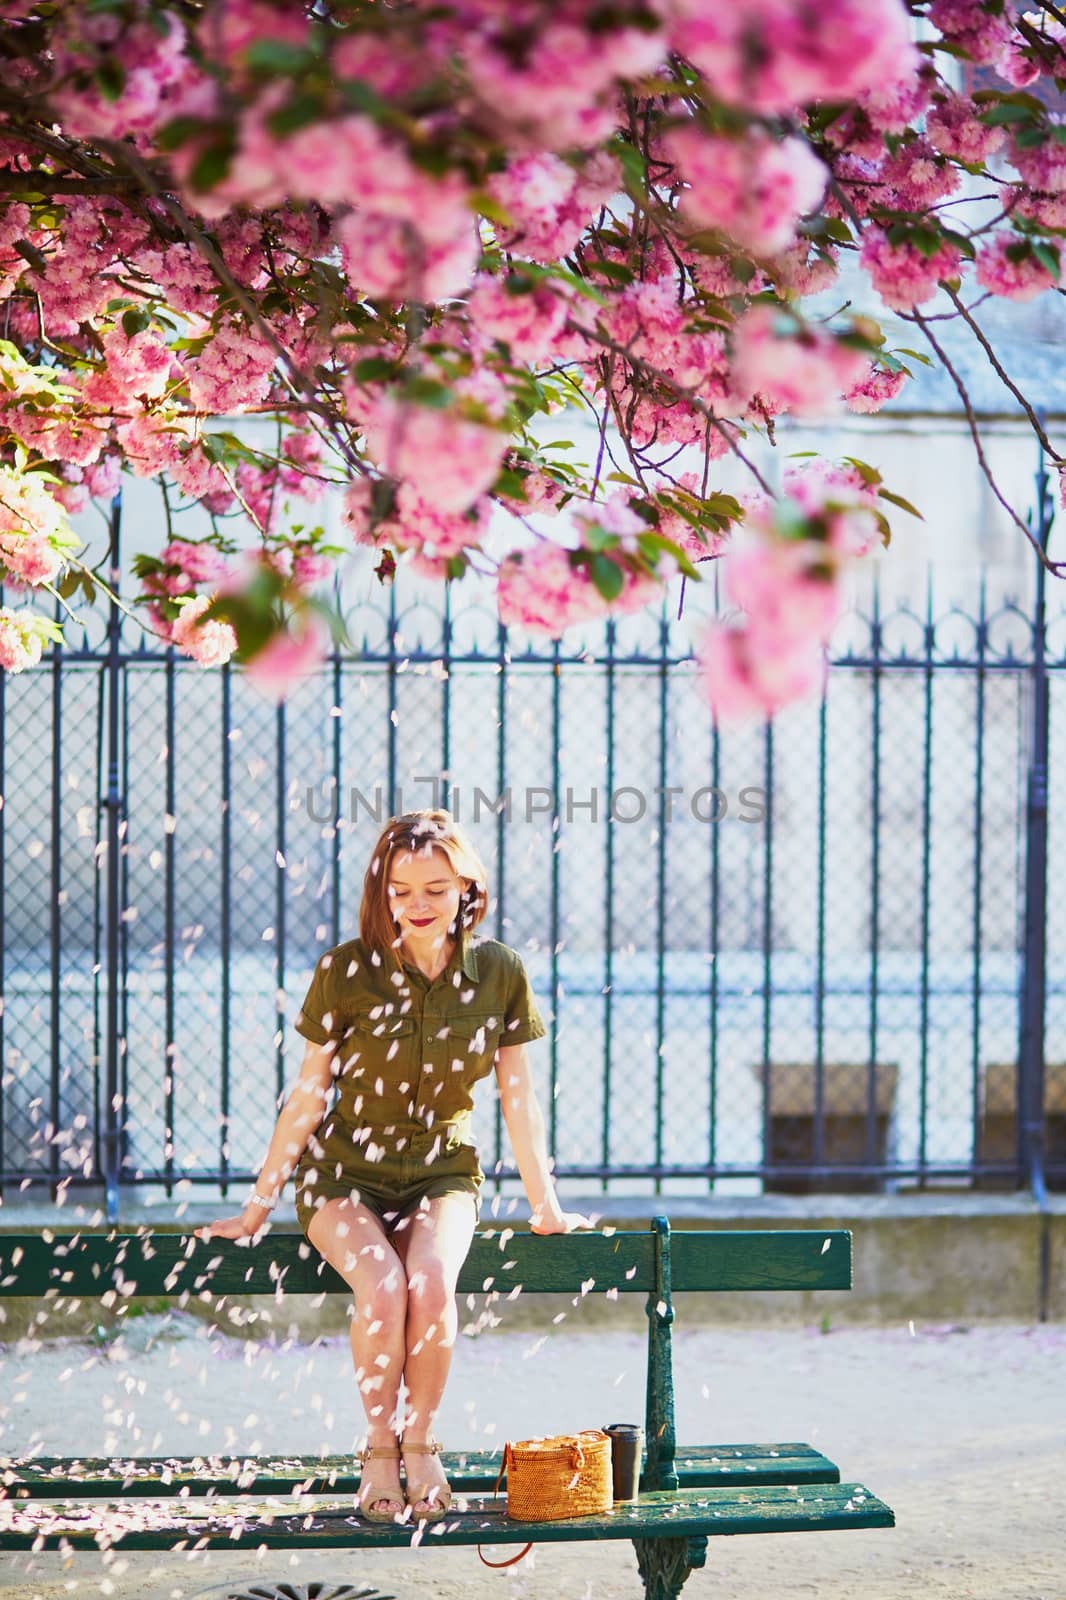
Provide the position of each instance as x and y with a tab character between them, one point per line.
405	1020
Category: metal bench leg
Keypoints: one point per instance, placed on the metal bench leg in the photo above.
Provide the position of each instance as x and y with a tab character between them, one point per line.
666	1563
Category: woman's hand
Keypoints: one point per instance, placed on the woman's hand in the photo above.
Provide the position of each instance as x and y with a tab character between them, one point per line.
553	1220
252	1220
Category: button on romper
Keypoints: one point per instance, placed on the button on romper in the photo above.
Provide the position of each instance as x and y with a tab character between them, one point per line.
408	1054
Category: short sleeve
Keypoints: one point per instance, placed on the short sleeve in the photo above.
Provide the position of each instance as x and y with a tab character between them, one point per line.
522	1021
315	1017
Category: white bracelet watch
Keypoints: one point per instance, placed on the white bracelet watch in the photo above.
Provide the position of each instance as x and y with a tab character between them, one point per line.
265	1205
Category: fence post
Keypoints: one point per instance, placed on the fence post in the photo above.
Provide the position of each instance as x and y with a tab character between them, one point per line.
112	1135
1030	1118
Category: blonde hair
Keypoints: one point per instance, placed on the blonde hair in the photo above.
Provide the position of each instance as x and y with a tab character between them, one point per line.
416	831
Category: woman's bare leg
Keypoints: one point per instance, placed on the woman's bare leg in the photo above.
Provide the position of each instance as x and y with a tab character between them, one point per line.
353	1241
432	1242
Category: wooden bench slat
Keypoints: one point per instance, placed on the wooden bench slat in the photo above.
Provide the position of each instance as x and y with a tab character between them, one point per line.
111	1477
799	1258
158	1263
154	1525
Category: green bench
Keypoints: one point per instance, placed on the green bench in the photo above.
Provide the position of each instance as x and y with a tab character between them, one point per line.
688	1492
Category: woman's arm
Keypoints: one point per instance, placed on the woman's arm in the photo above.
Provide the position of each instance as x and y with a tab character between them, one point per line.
299	1117
525	1128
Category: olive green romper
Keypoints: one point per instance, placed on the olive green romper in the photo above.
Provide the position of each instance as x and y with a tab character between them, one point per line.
408	1054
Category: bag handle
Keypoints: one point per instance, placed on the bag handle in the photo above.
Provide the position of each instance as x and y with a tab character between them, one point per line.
510	1560
508	1456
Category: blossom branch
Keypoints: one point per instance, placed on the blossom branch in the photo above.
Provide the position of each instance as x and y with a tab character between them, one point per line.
1057	568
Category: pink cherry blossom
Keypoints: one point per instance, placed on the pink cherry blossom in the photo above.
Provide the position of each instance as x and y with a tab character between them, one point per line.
841	505
1007	266
210	643
952	126
284	660
1042	166
528	323
558	91
388	259
540	589
805	373
233	372
434	533
983	32
754	189
875	390
915	177
891	107
21	640
197	563
774	55
549	202
743	675
541	491
136	369
903	275
771	580
448	459
153	62
698	544
1047	209
33	528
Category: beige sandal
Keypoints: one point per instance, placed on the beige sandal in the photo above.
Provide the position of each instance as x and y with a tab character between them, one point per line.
363	1502
441	1499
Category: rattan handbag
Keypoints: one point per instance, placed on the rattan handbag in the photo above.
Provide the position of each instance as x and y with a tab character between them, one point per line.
568	1475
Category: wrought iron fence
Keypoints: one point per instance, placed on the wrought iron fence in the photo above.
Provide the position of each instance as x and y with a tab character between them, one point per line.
815	953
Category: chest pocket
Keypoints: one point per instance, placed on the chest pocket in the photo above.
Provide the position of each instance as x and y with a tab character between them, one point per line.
470	1036
372	1022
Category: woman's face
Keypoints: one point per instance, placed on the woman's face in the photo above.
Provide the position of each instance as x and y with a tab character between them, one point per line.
424	892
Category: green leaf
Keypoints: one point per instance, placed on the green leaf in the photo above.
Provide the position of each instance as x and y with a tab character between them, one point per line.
110	74
178	131
427	392
868	474
596	537
510	483
1029	138
328	612
616	271
658	543
483	203
277	55
633	164
211	166
299	112
1048	256
1008	111
371	368
135	321
607	575
927	240
360	96
898	500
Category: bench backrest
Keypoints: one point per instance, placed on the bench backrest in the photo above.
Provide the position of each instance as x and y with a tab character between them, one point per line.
159	1262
